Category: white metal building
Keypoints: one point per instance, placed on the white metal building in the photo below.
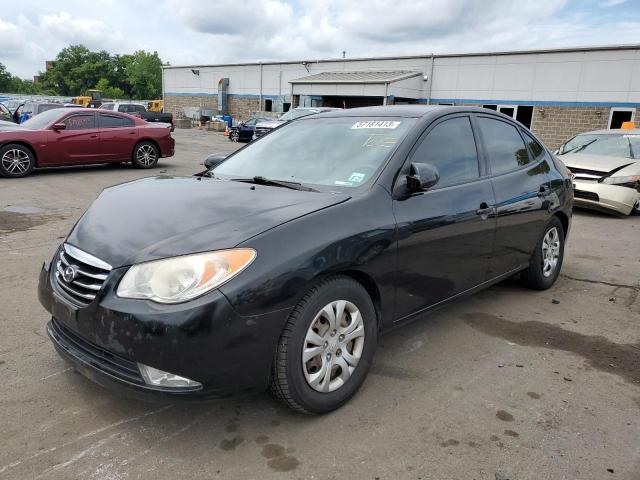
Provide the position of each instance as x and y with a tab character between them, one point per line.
556	93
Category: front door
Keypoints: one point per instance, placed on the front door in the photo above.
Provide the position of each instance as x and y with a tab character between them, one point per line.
446	234
78	143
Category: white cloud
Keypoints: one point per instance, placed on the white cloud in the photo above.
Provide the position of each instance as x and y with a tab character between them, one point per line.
216	31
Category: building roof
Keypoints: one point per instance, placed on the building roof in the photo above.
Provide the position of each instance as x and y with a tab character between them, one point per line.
357	77
426	55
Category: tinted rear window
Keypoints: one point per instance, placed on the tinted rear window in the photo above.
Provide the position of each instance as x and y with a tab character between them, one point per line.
111	121
505	147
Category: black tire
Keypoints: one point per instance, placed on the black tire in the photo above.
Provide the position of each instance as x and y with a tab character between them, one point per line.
636	208
139	157
288	382
234	136
534	276
16	161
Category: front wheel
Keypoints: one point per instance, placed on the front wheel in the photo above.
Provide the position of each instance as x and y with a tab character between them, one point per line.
636	208
234	136
145	155
546	261
326	348
16	161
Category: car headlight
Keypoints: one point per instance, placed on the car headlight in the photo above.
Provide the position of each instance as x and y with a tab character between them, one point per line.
178	279
630	180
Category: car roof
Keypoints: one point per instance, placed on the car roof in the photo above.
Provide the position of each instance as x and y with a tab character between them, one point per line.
409	111
614	131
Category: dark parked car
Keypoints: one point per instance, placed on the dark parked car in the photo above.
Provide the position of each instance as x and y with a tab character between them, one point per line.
282	265
243	132
80	136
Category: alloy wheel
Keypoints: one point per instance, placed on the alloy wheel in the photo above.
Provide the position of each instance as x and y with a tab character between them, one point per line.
333	346
146	155
16	161
550	251
235	136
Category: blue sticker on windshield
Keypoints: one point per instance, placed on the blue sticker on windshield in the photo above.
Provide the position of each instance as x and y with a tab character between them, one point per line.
356	177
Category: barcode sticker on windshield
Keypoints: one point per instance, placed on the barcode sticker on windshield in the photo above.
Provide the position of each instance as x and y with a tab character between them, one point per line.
376	124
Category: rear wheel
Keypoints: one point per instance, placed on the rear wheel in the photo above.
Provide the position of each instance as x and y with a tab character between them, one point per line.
546	261
145	155
326	348
636	208
16	161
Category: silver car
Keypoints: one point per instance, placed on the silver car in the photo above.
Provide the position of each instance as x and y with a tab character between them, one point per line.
606	165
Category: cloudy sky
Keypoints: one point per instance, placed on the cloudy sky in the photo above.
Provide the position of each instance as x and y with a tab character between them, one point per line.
212	31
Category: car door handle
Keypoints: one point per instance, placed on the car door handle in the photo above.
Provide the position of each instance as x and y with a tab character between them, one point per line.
484	210
544	191
93	136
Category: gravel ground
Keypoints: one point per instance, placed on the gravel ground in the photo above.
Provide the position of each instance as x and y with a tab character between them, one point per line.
508	384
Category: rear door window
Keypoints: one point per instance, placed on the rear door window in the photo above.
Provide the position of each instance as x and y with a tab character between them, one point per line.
536	149
110	121
505	148
451	148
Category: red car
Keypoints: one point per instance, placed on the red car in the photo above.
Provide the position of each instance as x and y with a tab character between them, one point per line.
81	137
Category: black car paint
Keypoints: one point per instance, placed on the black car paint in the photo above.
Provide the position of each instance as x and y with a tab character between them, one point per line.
411	251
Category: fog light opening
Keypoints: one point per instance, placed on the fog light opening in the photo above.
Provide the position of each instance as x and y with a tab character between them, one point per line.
159	378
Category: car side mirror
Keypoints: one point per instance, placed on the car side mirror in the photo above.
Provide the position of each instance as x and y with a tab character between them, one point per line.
214	160
59	126
422	176
556	152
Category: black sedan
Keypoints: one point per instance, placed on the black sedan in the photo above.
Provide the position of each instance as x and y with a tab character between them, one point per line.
243	132
280	267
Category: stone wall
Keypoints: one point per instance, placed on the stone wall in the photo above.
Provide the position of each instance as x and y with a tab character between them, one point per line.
240	108
555	125
175	103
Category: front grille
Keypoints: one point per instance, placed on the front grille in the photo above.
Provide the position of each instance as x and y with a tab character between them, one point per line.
586	195
79	275
94	355
259	131
585	174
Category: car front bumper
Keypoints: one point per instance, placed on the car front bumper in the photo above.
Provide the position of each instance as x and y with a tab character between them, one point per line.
204	340
601	196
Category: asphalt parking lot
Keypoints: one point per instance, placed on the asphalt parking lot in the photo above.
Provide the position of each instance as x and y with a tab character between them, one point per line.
508	384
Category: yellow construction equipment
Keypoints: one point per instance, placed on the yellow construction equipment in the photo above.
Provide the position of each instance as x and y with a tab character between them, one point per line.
155	106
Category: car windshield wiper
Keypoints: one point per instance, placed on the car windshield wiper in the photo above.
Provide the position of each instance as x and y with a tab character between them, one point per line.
260	180
580	147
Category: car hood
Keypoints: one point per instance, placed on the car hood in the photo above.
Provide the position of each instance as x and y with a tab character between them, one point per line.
600	163
271	124
9	126
161	217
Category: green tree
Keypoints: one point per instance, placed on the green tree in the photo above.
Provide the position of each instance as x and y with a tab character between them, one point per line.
5	79
144	73
109	91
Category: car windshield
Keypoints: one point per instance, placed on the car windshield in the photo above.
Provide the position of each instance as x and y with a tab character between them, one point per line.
336	152
610	145
38	122
297	113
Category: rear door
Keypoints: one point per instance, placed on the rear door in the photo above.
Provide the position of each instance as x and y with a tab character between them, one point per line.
78	143
522	187
118	135
445	235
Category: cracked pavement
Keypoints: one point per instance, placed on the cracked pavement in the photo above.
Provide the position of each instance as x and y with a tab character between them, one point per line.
509	383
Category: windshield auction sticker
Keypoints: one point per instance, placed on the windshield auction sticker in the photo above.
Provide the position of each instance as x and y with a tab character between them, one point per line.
375	124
